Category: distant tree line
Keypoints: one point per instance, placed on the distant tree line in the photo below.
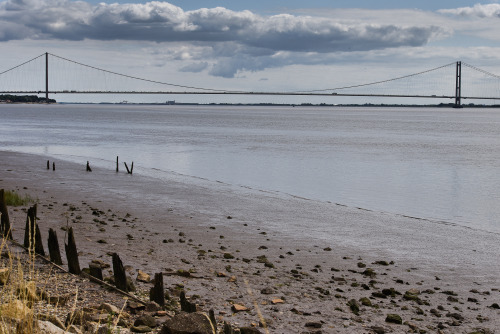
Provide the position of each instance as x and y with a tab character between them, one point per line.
24	99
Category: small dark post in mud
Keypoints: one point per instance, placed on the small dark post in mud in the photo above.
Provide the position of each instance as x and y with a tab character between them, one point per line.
4	220
117	164
54	252
186	306
48	164
72	254
53	165
129	171
88	167
119	273
157	292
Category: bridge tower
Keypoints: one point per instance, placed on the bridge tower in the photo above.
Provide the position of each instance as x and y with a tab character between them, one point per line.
46	77
458	86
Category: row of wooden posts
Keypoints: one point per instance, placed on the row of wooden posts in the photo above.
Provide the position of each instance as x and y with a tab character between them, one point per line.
89	169
33	242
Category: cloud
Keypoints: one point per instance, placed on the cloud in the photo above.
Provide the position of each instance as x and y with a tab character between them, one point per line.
479	10
219	40
194	67
164	22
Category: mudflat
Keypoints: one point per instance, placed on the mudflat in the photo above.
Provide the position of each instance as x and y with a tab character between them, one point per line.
253	254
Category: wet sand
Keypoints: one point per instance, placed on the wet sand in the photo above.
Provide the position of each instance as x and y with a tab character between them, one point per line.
316	253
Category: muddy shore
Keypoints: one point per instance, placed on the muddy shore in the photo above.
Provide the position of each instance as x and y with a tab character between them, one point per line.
259	249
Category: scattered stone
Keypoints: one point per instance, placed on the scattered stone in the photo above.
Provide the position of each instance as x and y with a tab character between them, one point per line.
495	306
378	329
249	330
327	249
366	301
143	277
314	324
109	308
354	306
238	308
277	301
145	320
140	329
267	291
194	323
394	318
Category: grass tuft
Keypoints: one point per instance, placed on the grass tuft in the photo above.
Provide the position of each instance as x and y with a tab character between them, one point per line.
14	199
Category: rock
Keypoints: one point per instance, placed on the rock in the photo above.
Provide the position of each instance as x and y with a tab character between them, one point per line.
394	318
109	308
354	306
249	330
277	301
153	307
495	306
188	323
267	291
51	318
143	277
47	327
366	301
238	308
314	324
140	329
378	330
4	276
145	320
456	316
415	292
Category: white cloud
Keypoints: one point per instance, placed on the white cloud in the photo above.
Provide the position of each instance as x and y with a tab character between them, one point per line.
479	10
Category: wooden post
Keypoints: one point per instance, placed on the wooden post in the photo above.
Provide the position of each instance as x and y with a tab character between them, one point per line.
117	164
186	306
119	273
88	167
55	254
72	254
29	231
132	167
157	292
128	170
211	316
4	219
48	164
53	165
38	241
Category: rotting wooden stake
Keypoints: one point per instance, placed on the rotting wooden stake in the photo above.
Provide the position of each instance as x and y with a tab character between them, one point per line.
72	254
54	252
119	273
117	164
4	217
157	292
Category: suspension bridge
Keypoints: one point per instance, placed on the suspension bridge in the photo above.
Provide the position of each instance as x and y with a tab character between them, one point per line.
51	74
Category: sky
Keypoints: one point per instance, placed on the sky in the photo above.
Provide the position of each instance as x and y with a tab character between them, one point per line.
254	45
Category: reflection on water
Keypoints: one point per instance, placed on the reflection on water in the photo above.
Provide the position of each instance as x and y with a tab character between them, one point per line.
431	163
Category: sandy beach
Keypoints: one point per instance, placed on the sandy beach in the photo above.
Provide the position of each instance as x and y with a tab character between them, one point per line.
256	249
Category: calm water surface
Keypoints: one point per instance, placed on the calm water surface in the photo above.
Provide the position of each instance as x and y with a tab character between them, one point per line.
441	164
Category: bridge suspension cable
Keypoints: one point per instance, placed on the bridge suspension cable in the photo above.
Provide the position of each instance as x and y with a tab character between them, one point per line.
137	78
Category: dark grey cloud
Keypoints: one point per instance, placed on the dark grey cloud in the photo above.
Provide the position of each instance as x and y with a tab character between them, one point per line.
236	40
163	22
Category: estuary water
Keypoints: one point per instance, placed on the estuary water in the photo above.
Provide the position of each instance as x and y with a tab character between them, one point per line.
438	164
